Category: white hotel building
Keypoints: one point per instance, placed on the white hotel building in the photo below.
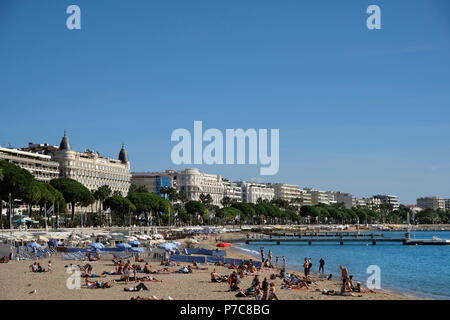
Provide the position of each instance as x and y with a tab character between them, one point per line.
252	191
193	183
40	166
93	170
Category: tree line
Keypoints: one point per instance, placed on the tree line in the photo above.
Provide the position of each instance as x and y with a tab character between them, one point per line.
141	207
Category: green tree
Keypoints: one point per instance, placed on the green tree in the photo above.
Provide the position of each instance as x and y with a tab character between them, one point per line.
102	193
120	206
137	189
226	201
17	182
195	208
73	192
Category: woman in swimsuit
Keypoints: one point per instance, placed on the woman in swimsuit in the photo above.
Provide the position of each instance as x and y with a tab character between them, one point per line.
272	294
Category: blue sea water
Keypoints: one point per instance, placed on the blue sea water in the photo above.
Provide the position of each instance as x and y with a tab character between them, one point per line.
420	271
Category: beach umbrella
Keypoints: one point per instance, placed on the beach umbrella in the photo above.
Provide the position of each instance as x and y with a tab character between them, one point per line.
224	244
123	245
137	249
134	243
167	246
97	245
175	243
34	245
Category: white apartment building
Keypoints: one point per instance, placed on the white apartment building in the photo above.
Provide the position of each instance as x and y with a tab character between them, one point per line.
434	203
318	196
447	204
252	191
347	199
388	199
232	190
285	192
93	170
193	183
39	165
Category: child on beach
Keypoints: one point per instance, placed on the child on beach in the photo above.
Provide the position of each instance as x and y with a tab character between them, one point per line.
49	266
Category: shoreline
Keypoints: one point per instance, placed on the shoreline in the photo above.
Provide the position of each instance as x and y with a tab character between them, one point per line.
17	282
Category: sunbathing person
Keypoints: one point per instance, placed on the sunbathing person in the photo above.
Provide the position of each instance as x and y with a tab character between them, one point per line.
137	258
148	298
136	288
148	279
33	267
360	289
97	284
115	260
215	277
195	266
92	258
4	259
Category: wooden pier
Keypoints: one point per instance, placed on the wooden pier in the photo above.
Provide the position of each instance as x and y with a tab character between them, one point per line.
341	238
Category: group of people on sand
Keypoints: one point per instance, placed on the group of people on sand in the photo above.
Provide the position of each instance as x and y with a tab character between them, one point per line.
36	267
348	288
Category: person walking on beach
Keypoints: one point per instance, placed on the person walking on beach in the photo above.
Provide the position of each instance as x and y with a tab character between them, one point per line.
305	267
321	266
262	254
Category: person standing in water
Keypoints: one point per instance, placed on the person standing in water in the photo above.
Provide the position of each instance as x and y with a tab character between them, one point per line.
321	265
270	257
262	254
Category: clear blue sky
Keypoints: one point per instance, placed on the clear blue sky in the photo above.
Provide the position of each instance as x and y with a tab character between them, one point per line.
359	111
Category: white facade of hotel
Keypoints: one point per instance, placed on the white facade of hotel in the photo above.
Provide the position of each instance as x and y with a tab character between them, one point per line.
232	190
252	191
41	166
93	170
434	203
193	183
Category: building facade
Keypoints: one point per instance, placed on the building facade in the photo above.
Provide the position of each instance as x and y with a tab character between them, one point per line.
434	203
41	166
252	191
93	170
193	183
232	190
388	199
347	199
153	181
285	192
318	196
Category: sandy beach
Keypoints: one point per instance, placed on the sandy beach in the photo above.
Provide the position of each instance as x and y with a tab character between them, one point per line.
16	282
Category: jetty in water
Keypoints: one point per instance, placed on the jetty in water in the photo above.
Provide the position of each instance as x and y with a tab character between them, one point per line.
339	238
